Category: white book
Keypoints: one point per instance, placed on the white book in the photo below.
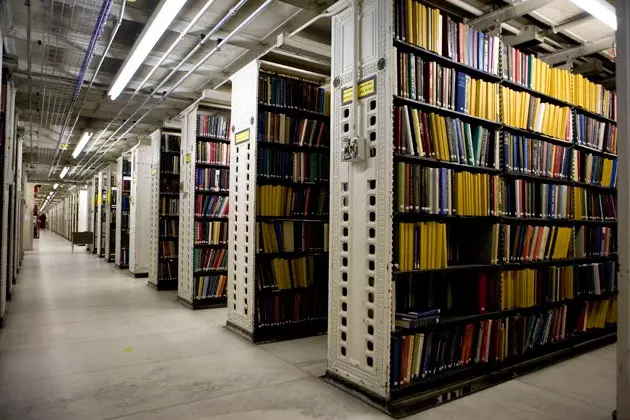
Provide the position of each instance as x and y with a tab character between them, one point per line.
540	114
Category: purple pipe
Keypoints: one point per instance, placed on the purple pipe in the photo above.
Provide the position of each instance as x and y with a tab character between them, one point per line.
96	36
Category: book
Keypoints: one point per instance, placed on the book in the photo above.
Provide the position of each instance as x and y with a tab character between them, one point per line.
523	198
595	241
213	125
293	166
594	205
596	134
536	157
288	236
547	242
293	93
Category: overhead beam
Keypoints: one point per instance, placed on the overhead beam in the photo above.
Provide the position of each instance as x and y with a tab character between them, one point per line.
529	35
570	23
495	18
579	51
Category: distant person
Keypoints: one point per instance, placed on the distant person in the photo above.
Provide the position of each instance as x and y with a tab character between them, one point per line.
42	221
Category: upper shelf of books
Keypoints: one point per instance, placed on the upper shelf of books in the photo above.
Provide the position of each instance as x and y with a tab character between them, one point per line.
429	32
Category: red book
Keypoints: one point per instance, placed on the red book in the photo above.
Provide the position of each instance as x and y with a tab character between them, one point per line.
483	280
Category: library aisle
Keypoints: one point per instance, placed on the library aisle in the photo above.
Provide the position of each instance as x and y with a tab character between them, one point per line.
83	340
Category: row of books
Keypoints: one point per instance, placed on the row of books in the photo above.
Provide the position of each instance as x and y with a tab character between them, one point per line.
415	357
594	97
212	125
597	314
126	186
528	112
284	129
429	82
418	133
275	200
595	241
594	169
274	237
169	206
126	167
167	270
448	292
213	233
290	273
169	164
211	286
293	93
293	166
209	259
523	198
170	143
209	179
594	205
168	248
530	287
427	28
531	72
214	153
169	185
596	134
276	309
212	205
445	191
536	243
124	222
596	278
536	157
422	246
169	227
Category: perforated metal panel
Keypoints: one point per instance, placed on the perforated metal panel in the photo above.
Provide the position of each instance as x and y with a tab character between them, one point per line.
188	157
360	297
140	201
97	209
243	158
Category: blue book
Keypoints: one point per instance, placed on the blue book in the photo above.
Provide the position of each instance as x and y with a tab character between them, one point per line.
394	372
279	239
460	98
614	173
480	59
443	191
471	47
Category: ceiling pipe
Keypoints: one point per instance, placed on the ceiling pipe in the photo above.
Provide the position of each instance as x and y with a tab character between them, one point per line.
217	48
30	82
201	12
97	32
98	68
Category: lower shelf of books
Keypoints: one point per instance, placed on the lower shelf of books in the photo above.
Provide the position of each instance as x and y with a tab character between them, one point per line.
464	380
166	284
281	332
205	302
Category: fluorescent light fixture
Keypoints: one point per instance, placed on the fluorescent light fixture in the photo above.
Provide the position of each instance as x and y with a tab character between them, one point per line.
82	143
64	172
159	22
55	186
600	10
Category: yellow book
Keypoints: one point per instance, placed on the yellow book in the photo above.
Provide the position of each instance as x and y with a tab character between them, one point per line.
402	231
443	138
417	14
409	32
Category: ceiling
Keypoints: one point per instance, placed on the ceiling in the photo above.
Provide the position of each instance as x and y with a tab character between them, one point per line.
61	30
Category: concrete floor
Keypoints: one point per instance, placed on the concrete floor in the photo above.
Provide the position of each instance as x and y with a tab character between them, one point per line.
85	341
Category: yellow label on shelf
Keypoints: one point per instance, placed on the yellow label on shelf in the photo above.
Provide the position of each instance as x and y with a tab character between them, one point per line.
154	171
367	87
133	180
109	196
241	136
64	146
187	157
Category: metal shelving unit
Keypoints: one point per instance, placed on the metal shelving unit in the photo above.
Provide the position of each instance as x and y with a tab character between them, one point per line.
123	193
364	275
139	211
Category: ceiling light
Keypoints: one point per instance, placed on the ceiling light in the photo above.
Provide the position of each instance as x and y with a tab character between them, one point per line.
55	186
159	22
600	10
82	143
64	172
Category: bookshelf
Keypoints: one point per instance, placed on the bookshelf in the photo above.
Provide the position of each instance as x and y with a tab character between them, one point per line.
139	210
123	195
93	214
164	216
110	205
475	238
278	259
101	197
204	207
